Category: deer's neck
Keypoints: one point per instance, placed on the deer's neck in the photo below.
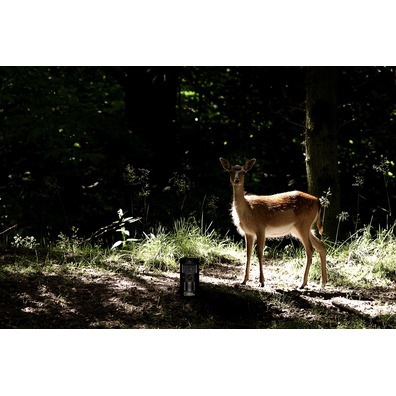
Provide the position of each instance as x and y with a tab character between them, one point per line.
239	200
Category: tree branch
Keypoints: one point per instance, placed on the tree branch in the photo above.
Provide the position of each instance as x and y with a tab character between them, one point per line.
9	229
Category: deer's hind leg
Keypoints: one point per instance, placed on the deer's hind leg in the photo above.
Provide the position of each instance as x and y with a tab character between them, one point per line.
321	248
306	241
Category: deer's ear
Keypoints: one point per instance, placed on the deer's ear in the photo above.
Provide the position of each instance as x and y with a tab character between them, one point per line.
249	164
225	163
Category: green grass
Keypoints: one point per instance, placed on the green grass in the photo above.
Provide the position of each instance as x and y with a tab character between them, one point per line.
159	250
162	249
366	259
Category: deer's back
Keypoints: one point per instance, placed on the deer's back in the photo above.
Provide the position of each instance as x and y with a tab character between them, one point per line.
276	214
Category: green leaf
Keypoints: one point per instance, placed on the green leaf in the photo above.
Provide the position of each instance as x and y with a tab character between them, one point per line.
131	219
118	243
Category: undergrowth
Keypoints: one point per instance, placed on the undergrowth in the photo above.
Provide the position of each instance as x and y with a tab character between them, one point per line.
366	259
60	284
163	249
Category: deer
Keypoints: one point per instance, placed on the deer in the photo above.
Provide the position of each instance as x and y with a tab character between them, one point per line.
258	217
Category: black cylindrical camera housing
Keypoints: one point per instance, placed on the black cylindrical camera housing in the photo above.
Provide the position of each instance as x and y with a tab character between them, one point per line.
189	277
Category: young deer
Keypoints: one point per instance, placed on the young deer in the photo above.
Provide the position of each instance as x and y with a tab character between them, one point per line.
258	217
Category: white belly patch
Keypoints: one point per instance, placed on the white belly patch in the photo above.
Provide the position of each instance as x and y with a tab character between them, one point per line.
277	232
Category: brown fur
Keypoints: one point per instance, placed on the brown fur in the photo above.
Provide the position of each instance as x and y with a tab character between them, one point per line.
258	217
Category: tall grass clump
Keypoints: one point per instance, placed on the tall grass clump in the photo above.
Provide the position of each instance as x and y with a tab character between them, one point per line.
364	259
367	259
162	249
384	168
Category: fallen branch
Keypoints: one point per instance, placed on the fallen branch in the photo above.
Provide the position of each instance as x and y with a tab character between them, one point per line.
9	229
349	309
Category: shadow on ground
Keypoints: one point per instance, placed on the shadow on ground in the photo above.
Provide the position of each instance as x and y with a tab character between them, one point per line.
58	301
99	298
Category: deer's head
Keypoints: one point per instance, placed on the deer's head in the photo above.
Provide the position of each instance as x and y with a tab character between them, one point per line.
237	172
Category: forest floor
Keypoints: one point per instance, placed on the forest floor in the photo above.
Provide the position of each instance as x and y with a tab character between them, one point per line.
99	297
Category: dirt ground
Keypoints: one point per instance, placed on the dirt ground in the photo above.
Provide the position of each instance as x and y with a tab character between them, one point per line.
93	298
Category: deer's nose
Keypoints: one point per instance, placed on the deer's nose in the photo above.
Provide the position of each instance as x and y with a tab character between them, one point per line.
236	180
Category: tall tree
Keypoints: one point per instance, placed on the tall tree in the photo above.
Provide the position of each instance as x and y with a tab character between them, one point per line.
321	141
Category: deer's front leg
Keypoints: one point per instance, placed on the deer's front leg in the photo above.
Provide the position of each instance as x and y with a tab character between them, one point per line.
249	242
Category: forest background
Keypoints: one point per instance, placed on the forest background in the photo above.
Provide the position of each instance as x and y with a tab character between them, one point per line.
79	143
157	33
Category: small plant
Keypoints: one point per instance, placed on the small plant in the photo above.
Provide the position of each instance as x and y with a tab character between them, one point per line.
359	181
383	168
182	184
138	180
71	242
28	242
213	204
125	234
343	216
325	201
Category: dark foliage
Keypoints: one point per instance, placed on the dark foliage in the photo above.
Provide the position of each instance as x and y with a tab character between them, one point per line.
78	143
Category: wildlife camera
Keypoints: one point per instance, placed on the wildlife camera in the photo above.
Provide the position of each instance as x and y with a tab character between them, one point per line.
189	277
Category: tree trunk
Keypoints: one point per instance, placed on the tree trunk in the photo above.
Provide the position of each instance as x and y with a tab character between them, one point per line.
321	142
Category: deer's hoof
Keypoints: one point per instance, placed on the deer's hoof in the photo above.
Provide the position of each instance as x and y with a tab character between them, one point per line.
261	284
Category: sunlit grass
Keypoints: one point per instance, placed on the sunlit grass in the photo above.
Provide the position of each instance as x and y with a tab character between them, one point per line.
163	249
366	259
